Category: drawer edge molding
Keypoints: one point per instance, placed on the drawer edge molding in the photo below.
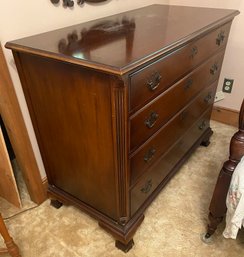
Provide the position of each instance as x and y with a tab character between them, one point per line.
156	190
187	77
140	94
211	86
201	126
143	124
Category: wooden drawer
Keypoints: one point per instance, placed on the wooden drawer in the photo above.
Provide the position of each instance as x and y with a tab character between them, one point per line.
149	119
156	174
169	134
158	76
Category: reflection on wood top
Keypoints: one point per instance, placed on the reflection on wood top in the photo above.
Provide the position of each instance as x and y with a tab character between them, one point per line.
119	43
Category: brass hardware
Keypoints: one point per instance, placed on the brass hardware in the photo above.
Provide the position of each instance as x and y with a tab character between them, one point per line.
149	155
188	84
214	69
147	187
150	122
194	51
202	125
183	115
220	38
208	98
154	81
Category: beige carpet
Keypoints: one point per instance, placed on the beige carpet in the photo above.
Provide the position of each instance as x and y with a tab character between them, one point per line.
172	225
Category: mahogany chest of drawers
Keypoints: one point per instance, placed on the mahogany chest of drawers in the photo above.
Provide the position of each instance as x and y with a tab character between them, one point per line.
118	104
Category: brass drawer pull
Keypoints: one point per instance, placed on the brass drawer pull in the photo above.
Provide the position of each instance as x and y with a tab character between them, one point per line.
147	187
202	125
149	155
220	38
188	84
214	69
183	115
150	122
208	98
194	51
154	81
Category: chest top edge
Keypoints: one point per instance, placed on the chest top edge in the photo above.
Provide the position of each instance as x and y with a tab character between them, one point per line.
114	44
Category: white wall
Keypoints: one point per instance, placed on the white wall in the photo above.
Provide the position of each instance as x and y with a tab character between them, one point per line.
25	18
233	66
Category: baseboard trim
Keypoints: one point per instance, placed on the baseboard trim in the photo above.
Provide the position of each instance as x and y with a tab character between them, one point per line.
225	115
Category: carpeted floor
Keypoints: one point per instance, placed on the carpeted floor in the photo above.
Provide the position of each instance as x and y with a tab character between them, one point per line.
172	226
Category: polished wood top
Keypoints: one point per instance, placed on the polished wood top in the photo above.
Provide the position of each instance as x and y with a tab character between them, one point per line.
119	43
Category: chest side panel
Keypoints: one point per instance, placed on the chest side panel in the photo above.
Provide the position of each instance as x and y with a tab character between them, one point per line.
71	112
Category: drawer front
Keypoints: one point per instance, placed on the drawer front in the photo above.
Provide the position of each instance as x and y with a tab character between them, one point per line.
155	175
169	134
157	77
148	120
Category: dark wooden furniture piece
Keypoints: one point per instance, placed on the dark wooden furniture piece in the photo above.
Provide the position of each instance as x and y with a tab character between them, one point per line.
118	104
11	247
218	203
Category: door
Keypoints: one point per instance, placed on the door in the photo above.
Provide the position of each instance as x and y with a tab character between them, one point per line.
8	187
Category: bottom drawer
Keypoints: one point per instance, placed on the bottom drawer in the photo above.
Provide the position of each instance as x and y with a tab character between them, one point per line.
155	175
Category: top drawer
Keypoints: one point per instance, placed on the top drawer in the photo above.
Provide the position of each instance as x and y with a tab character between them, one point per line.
158	76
